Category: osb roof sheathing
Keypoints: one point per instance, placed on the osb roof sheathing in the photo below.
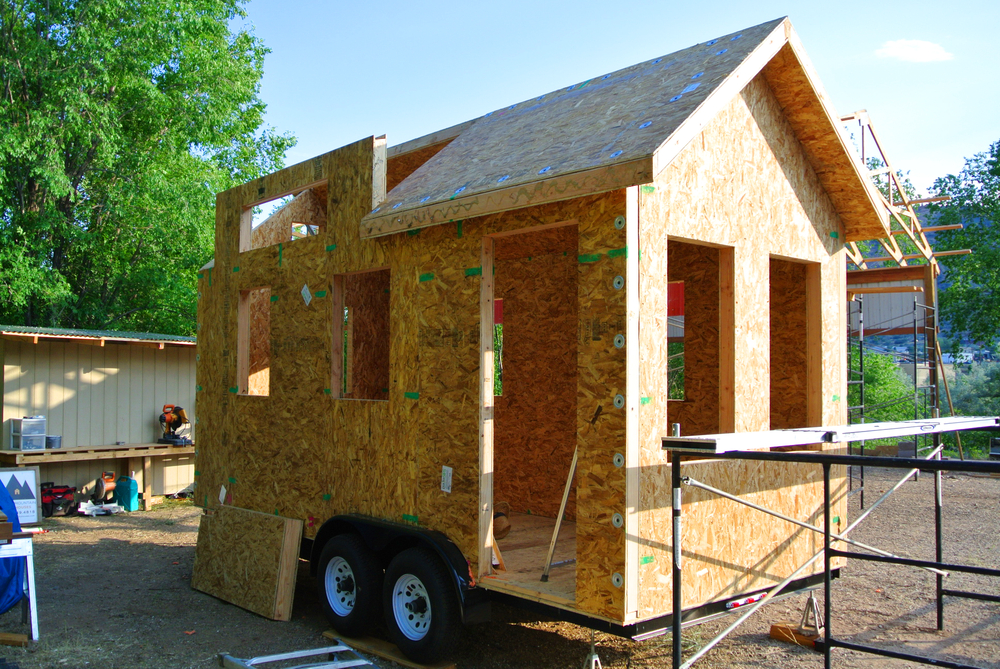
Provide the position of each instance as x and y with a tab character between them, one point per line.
621	129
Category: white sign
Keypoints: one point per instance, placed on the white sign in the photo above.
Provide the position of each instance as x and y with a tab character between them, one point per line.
22	484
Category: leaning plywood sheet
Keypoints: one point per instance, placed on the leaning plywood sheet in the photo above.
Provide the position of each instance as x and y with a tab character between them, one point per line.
248	559
593	136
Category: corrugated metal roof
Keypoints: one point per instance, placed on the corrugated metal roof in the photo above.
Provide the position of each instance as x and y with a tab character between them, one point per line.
107	335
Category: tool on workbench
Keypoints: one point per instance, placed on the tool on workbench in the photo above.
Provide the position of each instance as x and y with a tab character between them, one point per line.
172	418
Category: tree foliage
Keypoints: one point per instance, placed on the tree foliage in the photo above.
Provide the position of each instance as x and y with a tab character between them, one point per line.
970	298
121	120
888	390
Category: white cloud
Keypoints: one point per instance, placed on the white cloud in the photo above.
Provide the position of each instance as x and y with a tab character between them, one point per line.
914	51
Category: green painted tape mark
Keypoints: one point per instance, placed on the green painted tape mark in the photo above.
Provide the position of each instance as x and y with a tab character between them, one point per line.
331	247
835	234
645	400
410	519
327	391
385	390
276	512
327	497
459	229
474	271
618	253
234	390
279	255
206	501
836	398
592	257
836	519
647	189
197	473
232	479
274	298
413	233
412	396
236	269
200	275
584	84
646	559
198	388
426	277
319	293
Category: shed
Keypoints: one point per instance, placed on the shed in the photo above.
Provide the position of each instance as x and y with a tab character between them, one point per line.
660	245
101	392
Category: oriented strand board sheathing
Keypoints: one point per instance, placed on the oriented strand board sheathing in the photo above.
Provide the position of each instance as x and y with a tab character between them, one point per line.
401	166
730	548
745	184
591	136
248	559
698	267
535	417
788	345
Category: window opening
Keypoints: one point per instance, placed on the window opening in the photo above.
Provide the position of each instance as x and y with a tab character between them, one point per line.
361	336
254	341
675	340
498	347
284	219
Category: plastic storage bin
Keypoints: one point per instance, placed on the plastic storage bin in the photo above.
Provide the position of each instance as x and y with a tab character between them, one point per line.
53	441
35	442
31	426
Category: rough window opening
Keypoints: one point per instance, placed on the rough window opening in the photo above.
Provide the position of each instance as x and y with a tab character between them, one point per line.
789	338
361	336
498	347
285	219
254	341
675	340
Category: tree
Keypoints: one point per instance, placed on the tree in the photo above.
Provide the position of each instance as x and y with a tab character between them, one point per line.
888	391
970	297
121	120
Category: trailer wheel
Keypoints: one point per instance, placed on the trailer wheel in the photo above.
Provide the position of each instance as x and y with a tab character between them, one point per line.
421	607
350	582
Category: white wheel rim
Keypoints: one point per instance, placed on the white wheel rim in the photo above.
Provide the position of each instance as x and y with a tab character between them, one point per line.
341	591
411	607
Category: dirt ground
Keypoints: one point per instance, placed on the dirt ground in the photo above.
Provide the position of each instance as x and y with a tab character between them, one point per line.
113	593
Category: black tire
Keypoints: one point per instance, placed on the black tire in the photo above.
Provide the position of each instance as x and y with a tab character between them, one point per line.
350	585
421	605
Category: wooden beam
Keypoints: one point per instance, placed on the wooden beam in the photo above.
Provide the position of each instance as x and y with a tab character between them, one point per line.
486	409
924	200
915	272
915	256
935	228
870	290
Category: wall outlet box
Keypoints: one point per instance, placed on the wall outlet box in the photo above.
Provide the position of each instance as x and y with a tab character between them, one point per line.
446	478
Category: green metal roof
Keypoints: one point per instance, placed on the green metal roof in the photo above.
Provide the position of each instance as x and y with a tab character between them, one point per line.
109	335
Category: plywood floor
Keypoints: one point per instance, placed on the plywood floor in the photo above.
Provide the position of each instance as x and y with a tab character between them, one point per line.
524	551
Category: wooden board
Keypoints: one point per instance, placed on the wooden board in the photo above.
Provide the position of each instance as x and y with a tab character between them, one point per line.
249	559
385	650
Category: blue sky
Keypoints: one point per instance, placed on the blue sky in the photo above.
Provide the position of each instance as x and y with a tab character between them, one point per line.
926	71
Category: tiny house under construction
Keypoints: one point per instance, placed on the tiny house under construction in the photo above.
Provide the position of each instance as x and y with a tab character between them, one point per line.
431	329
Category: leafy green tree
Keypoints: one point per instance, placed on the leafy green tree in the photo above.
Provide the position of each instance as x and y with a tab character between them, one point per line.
121	120
975	391
970	299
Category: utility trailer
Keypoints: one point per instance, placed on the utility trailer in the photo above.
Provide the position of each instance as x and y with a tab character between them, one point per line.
517	309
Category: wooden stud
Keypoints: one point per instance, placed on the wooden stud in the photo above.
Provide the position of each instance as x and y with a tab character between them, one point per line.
486	408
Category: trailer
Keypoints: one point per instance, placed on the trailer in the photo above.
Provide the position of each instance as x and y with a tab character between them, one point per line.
442	371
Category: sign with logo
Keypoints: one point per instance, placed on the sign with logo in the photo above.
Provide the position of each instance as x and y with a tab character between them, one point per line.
22	485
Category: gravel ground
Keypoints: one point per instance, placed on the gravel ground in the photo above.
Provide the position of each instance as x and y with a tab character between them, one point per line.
113	592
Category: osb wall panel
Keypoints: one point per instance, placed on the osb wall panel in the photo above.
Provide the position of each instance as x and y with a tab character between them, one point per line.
248	559
366	296
535	418
308	207
788	345
727	547
745	184
259	341
303	454
698	267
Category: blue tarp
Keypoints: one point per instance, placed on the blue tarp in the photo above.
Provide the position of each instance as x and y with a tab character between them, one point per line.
11	569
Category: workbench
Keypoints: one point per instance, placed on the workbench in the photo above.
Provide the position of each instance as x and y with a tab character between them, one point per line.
138	457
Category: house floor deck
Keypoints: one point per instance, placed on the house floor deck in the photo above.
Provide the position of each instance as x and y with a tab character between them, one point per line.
524	551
